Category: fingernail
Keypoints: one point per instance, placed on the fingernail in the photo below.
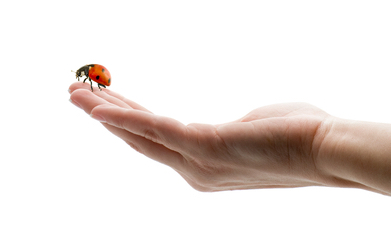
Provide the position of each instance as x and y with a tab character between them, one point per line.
69	91
74	103
98	118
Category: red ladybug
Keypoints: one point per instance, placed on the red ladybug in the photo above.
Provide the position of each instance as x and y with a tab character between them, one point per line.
95	72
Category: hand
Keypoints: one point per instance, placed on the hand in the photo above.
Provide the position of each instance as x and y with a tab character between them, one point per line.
274	146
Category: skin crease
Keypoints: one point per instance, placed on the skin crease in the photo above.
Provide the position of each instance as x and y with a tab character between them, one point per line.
277	146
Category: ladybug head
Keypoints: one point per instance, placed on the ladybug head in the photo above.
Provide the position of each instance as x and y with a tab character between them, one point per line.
78	74
83	71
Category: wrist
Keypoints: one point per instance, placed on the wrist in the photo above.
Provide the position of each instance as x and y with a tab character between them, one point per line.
354	154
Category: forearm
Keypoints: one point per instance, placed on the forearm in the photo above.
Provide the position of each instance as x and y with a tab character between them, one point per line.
356	154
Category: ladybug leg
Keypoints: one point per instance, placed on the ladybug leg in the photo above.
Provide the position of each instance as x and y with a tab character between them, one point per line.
102	86
85	79
91	84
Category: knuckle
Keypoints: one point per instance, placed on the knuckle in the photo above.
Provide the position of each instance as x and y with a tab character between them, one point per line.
151	135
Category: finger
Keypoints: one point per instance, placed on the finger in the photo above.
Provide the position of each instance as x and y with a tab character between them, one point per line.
162	130
150	149
87	100
81	85
86	86
132	104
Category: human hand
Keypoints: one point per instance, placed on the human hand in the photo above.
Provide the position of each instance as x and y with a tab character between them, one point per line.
273	146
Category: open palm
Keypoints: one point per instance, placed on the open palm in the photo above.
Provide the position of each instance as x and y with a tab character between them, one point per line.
272	146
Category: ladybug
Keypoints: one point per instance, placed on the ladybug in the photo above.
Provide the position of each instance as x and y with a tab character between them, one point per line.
95	72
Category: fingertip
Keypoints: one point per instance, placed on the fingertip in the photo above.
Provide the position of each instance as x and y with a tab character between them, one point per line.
75	103
98	118
80	85
86	99
75	86
79	93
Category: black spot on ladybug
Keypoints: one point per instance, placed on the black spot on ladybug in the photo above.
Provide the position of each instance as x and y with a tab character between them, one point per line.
97	77
109	80
103	70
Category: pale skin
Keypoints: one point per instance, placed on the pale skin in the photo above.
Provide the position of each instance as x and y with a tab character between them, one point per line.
277	146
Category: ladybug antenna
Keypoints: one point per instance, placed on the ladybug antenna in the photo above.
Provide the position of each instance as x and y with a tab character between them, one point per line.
76	74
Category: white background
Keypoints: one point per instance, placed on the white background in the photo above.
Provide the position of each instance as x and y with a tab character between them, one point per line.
195	61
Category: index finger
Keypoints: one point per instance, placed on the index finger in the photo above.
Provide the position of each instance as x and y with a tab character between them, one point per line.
132	104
